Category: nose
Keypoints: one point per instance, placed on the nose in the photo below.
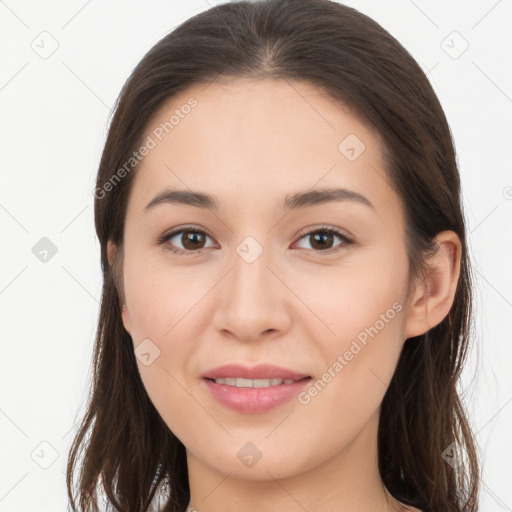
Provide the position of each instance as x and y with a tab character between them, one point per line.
253	300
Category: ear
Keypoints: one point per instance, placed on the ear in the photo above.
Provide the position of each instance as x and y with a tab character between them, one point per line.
112	254
125	315
433	297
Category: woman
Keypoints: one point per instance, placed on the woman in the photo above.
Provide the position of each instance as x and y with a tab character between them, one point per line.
287	290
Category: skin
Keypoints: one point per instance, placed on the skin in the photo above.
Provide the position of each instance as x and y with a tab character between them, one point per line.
250	143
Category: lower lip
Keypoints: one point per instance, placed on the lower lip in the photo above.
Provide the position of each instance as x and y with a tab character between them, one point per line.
255	400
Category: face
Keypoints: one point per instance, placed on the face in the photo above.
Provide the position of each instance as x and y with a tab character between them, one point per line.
256	280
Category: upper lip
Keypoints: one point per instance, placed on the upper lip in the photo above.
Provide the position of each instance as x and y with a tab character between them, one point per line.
261	371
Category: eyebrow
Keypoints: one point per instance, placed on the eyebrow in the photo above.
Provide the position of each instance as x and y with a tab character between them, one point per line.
291	202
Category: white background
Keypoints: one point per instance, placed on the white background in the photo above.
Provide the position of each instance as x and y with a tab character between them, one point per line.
53	118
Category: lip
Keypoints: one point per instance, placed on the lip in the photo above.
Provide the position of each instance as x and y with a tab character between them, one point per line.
254	400
261	371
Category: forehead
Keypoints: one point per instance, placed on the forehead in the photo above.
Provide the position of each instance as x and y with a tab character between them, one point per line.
252	136
241	106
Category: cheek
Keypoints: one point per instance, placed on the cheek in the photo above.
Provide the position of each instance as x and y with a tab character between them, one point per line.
166	305
159	299
350	300
333	305
361	332
161	306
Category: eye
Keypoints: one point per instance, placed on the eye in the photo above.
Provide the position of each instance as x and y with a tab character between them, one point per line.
322	239
192	241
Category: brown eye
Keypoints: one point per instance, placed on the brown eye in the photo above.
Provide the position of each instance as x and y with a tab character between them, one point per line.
322	240
192	241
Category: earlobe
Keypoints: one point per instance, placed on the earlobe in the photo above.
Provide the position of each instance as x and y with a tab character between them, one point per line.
433	298
126	319
111	252
112	255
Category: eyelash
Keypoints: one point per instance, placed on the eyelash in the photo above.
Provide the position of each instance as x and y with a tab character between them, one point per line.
347	240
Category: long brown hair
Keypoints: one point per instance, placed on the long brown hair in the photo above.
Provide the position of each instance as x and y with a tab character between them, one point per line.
129	453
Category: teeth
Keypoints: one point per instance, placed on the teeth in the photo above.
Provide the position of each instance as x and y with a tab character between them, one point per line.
253	383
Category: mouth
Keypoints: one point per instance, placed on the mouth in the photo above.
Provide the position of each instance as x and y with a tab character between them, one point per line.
246	376
240	382
255	389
